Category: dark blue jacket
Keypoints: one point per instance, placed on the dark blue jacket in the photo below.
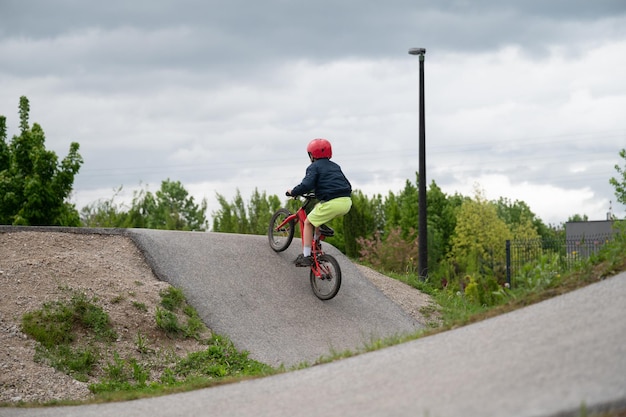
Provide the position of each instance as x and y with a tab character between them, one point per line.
326	179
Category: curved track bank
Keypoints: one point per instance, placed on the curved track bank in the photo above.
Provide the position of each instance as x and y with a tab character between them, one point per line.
243	289
555	358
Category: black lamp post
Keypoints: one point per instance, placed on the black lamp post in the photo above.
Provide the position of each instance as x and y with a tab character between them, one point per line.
423	233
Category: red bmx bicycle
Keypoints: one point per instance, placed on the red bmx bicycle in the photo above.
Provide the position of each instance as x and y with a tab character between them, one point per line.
325	275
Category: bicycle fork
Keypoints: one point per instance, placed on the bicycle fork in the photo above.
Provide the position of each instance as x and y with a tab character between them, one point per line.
318	268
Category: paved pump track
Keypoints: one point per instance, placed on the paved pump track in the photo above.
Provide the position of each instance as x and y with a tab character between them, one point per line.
263	303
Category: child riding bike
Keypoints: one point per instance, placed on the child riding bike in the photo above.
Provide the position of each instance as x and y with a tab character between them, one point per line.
332	189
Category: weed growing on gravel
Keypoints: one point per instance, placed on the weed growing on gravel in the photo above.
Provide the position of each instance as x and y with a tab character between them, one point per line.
142	345
168	322
118	299
75	361
55	327
220	359
72	333
172	298
175	307
56	322
140	306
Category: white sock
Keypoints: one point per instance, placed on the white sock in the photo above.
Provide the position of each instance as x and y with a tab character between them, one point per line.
306	251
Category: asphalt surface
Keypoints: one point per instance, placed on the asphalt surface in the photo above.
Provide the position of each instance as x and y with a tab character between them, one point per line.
554	358
263	303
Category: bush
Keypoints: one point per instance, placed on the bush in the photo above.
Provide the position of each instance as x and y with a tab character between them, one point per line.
482	291
540	274
393	254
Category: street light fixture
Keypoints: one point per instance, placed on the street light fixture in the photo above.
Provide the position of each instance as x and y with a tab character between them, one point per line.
417	51
423	232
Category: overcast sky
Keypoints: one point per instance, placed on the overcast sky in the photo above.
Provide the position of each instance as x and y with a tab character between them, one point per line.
524	99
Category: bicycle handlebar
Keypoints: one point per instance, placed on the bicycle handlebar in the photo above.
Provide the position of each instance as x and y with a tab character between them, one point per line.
308	196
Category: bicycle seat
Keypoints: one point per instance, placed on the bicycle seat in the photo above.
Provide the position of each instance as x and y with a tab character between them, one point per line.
326	231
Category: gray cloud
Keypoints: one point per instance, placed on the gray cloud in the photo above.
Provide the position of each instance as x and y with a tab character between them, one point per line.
229	92
211	34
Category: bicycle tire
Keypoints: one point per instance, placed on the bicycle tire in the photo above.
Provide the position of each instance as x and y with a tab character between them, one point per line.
280	239
327	286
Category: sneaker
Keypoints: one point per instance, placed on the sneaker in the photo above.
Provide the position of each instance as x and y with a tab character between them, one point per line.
302	260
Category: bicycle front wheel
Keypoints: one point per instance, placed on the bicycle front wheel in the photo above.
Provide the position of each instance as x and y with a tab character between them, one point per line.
326	285
280	238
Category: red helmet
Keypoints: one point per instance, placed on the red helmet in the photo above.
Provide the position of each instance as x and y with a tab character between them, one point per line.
319	148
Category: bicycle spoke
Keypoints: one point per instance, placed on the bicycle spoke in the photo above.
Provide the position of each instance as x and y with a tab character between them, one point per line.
280	238
325	277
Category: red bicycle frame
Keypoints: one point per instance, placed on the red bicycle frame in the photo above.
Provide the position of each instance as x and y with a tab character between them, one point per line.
316	248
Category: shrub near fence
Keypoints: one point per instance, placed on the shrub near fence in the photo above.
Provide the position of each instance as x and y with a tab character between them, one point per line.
520	253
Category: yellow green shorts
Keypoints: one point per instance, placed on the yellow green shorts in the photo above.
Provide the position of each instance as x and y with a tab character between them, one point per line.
325	211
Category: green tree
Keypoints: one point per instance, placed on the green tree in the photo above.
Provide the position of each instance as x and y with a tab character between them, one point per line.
524	230
350	225
478	245
143	211
231	217
239	207
408	208
170	208
224	219
103	213
260	210
391	208
522	222
178	210
619	183
442	212
34	186
578	218
5	155
246	218
400	213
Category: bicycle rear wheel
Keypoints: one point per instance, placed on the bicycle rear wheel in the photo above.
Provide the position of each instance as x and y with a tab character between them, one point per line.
280	239
327	285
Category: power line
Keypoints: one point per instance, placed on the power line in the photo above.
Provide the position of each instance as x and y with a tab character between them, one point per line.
402	159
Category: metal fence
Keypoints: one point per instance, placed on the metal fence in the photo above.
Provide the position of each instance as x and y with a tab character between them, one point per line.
570	251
